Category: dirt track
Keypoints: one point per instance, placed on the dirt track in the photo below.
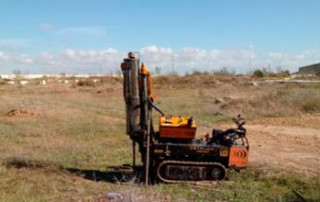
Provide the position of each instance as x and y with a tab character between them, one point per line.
286	143
289	143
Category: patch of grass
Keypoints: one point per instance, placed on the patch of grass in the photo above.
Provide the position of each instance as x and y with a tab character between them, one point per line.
257	184
305	100
311	105
41	184
74	128
311	85
280	100
209	119
252	184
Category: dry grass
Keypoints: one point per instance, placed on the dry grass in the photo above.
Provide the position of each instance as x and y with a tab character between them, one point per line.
83	127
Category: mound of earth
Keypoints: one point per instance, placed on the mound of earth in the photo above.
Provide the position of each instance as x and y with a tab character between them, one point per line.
20	113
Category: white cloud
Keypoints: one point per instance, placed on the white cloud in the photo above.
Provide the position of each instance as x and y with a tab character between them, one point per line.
46	27
3	57
156	56
241	60
275	56
89	31
81	61
13	45
189	58
184	60
292	61
22	60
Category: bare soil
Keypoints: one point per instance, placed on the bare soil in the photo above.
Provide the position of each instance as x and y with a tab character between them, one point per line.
290	143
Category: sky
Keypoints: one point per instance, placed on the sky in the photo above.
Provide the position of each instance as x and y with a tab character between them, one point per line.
93	36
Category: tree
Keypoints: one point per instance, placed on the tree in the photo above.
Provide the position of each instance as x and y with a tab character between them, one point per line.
223	71
16	72
285	73
158	70
196	72
258	73
62	74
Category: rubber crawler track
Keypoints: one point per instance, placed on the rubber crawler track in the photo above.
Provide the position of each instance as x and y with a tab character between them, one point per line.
186	163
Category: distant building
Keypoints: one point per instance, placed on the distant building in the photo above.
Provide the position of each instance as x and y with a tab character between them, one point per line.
310	69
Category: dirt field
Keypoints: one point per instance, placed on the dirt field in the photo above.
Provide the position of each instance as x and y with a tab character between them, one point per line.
57	141
292	147
290	143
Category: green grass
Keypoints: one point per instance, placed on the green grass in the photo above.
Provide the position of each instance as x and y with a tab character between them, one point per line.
253	184
80	128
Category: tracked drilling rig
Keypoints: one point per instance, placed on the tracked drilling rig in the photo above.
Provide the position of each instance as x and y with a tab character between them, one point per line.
173	154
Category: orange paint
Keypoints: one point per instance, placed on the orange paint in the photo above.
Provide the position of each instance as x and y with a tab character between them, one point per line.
238	157
177	128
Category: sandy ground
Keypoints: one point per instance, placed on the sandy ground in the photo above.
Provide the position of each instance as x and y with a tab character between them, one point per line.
287	143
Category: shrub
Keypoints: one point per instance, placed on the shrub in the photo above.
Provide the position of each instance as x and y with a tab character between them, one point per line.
196	72
89	83
311	105
223	71
258	73
284	73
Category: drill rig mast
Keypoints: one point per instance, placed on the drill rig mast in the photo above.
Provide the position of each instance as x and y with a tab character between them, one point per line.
138	108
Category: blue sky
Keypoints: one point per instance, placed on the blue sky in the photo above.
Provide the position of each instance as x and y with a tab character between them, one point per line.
77	36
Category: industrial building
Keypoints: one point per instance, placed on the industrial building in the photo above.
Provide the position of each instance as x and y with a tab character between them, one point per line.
310	69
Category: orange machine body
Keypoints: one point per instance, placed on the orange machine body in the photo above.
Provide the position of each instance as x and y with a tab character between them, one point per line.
238	157
177	127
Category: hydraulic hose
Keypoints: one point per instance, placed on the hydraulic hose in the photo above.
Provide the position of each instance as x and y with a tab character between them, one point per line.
155	107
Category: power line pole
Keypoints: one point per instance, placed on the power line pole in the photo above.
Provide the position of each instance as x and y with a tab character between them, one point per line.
172	64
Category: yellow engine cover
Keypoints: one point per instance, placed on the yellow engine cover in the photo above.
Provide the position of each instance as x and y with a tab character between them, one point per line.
177	127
